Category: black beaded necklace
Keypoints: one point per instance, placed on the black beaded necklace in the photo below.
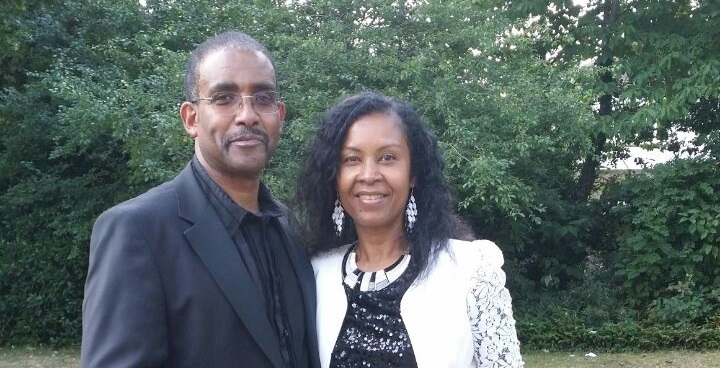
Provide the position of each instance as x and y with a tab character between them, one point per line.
356	278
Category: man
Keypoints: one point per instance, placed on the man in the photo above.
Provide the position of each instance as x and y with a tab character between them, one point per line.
204	271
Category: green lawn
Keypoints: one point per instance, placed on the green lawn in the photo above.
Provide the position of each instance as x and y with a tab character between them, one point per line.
665	359
40	357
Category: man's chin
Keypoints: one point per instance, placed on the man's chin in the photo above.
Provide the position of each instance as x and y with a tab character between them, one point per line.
248	167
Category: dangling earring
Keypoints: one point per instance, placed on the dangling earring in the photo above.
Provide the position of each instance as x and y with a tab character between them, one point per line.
411	212
338	216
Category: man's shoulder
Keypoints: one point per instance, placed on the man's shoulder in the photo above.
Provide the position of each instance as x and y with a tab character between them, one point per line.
155	201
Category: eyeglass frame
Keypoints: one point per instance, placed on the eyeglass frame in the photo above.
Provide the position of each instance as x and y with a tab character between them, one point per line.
242	101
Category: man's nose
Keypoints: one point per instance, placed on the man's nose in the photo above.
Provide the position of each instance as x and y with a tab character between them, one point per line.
245	112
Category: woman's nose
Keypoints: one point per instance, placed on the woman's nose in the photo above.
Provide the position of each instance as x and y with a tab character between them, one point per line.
369	171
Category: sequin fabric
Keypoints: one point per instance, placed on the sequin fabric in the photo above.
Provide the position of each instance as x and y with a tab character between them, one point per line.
373	333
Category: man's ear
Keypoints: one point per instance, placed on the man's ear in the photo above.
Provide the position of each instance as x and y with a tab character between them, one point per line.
188	114
281	113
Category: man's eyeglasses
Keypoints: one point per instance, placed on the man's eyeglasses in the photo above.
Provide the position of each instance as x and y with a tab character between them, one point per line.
227	103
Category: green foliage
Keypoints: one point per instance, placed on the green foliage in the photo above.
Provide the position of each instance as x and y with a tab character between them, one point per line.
592	300
703	120
668	240
562	329
65	148
89	92
42	292
689	305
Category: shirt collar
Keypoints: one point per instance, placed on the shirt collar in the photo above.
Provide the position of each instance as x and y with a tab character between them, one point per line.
222	201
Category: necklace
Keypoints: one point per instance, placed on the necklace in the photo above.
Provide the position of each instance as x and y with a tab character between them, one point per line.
378	280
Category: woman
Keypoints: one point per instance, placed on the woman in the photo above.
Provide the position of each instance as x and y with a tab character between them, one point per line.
393	288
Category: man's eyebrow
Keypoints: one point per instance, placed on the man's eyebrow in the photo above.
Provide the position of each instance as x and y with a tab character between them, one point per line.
222	87
232	87
264	87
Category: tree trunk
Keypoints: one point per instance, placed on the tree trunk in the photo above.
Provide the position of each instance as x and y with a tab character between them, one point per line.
590	168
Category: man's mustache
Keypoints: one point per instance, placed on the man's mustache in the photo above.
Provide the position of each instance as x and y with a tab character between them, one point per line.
227	141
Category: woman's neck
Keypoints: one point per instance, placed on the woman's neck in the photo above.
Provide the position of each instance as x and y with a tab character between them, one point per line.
375	253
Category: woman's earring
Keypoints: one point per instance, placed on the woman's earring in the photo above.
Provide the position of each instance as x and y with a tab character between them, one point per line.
338	216
411	212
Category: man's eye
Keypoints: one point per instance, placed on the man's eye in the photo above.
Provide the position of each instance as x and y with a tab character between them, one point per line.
223	98
264	98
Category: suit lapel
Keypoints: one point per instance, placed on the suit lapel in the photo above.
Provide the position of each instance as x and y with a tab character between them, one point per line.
217	251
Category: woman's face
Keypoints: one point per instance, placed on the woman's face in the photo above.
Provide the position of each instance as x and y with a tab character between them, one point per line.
374	177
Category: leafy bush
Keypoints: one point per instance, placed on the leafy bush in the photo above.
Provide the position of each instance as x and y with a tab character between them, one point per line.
563	329
42	293
690	304
668	239
592	299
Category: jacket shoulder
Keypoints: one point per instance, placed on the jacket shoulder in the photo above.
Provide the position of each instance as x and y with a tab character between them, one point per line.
476	254
330	258
156	203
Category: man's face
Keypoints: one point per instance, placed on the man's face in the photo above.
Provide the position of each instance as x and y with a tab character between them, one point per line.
237	144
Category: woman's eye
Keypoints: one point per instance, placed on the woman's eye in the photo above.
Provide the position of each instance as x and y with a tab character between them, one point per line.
387	157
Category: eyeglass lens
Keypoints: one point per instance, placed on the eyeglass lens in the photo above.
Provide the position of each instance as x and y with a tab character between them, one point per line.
227	103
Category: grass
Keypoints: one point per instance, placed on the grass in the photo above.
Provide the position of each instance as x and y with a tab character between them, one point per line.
42	357
39	357
656	359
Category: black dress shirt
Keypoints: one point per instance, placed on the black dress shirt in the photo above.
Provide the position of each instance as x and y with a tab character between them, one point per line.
261	242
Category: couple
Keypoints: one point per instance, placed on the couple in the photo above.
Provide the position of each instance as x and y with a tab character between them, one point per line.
206	270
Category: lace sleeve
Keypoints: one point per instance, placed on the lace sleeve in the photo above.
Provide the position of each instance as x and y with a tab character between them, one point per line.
495	342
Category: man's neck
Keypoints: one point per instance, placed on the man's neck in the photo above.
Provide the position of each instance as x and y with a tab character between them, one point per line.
243	190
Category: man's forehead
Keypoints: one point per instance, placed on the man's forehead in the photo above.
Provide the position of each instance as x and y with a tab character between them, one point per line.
247	55
227	65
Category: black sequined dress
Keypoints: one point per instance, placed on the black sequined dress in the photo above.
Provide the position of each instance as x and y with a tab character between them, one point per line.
373	333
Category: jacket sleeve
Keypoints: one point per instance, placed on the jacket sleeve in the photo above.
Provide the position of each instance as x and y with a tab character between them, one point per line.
124	317
495	341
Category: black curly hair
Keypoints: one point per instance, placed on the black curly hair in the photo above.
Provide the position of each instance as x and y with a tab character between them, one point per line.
317	186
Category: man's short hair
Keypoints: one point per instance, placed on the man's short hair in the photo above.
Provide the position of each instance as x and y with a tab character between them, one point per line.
227	40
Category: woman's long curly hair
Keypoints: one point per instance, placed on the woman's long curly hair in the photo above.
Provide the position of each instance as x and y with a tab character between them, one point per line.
316	191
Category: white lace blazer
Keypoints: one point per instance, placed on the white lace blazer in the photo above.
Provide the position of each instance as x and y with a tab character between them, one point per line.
459	315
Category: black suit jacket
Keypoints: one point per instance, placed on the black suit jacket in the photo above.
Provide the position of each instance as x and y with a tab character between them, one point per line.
166	287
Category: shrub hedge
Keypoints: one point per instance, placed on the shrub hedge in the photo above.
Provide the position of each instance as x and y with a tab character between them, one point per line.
571	334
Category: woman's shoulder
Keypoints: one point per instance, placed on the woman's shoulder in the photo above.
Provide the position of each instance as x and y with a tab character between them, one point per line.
475	254
331	256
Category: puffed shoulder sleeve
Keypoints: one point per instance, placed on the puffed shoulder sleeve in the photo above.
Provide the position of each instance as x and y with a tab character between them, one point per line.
495	341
